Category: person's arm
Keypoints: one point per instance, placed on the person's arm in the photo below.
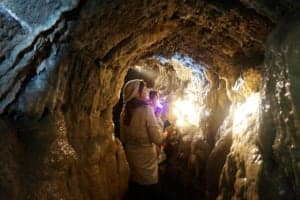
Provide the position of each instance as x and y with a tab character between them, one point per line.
155	131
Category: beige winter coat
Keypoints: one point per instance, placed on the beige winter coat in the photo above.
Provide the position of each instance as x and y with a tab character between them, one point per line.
139	140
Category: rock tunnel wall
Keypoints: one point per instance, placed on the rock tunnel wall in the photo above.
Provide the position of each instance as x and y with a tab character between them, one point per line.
62	65
53	146
263	162
281	144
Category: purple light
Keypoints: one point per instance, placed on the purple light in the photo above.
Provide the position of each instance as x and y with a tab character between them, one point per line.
161	105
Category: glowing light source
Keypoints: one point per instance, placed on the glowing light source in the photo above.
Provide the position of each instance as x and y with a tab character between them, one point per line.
138	68
238	84
246	112
144	71
188	108
186	112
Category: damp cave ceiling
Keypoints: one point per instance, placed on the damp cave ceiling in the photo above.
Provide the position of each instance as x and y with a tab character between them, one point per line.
220	35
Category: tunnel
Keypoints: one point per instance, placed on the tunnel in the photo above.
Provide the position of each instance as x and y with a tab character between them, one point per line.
228	72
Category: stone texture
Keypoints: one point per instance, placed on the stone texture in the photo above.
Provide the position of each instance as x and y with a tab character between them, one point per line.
63	63
280	92
67	150
273	9
11	34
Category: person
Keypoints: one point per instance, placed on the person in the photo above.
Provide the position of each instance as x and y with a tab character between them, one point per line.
158	111
140	133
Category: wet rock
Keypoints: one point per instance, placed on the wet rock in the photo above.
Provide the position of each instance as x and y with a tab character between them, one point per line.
62	66
280	93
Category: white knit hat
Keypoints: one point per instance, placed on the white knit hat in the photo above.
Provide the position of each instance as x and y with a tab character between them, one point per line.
131	90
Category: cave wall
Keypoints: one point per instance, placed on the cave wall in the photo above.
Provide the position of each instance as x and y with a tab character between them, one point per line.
263	161
62	65
241	171
280	135
57	137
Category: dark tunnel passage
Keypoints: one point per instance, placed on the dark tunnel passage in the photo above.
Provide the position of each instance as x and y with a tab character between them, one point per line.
182	174
228	73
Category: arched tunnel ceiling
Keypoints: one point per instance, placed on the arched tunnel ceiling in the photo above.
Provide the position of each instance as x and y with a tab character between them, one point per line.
215	33
226	36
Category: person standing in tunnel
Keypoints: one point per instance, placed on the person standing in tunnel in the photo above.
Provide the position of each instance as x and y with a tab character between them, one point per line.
140	133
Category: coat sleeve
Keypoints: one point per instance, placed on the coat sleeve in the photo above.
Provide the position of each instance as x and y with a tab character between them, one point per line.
155	131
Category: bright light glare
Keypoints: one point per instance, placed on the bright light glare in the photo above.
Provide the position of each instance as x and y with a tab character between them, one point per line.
188	108
138	68
238	84
246	112
144	71
186	113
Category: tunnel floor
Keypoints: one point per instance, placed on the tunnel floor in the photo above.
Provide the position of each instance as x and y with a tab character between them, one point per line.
178	178
173	185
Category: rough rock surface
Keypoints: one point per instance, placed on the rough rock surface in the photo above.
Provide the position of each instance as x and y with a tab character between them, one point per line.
54	147
62	65
280	136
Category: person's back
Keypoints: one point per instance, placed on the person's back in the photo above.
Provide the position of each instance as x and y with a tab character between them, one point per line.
143	129
140	133
140	138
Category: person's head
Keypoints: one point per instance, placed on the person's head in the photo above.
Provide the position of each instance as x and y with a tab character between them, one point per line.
153	98
153	95
135	94
136	88
155	102
143	91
